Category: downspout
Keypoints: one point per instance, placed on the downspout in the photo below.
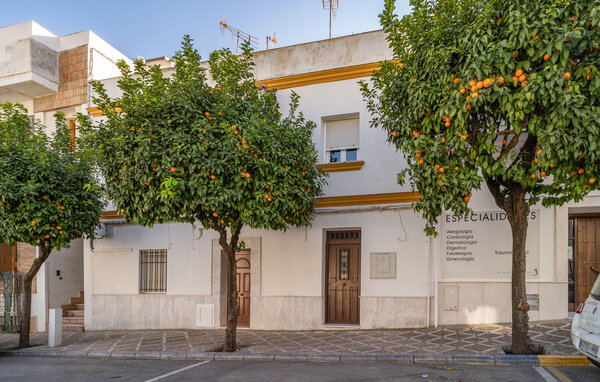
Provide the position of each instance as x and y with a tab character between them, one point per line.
435	281
428	280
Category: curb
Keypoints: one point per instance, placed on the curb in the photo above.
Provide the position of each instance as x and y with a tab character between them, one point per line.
404	359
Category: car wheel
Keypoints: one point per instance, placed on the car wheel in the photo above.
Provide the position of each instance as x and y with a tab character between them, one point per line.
594	362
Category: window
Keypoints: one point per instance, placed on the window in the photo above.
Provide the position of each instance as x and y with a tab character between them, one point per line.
341	140
153	271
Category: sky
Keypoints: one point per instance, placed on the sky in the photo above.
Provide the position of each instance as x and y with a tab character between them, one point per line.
154	28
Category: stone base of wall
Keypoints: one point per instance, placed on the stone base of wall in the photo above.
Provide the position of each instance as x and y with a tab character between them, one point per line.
286	313
393	312
145	311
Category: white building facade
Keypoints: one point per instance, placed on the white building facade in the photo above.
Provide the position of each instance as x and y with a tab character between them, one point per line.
365	262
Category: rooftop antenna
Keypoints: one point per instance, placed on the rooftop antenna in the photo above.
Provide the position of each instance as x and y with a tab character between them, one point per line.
271	38
238	34
331	6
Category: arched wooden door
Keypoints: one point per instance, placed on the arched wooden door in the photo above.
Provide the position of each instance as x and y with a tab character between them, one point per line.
242	260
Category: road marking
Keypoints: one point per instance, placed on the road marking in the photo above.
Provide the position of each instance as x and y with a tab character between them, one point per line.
563	360
176	371
559	375
544	373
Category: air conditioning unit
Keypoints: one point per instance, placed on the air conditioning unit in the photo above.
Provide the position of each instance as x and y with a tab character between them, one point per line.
104	231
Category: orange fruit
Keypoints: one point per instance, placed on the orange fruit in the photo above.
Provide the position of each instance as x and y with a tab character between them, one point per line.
147	183
463	90
519	73
522	78
546	56
543	173
173	169
456	167
592	180
473	83
524	84
441	170
213	177
447	124
394	133
535	37
587	77
487	82
580	171
421	161
468	107
480	85
443	140
33	223
474	89
58	227
122	211
467	198
215	214
516	54
464	137
457	81
533	176
474	95
47	237
567	75
539	151
504	141
247	175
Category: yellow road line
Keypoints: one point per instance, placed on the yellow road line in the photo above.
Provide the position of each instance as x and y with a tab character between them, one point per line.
561	377
563	360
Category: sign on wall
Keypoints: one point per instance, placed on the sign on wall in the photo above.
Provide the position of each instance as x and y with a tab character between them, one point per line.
479	246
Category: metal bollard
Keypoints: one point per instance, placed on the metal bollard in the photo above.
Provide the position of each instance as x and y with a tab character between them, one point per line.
55	328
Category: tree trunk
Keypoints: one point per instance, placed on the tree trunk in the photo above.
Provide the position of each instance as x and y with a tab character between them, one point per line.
232	302
521	342
233	308
25	319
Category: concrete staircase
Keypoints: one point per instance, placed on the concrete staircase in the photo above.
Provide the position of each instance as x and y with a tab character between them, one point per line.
73	315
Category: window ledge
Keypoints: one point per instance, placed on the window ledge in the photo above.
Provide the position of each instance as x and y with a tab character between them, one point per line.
342	166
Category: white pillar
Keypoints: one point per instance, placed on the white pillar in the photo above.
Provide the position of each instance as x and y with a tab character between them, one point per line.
55	328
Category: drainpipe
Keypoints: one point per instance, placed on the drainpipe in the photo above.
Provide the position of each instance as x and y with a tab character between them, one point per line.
429	244
435	279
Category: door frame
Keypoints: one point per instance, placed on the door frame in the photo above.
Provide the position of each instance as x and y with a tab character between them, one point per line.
575	216
326	243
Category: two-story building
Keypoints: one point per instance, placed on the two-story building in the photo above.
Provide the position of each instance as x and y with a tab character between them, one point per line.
365	262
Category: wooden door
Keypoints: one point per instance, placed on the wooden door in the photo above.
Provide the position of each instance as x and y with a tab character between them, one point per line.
242	260
342	269
586	255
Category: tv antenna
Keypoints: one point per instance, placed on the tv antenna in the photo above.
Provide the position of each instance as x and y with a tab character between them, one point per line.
271	38
238	34
331	6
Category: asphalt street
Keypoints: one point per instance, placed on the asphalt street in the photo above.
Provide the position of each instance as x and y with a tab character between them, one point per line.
75	369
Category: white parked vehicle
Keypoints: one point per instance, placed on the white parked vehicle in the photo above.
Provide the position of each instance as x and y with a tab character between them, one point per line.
585	331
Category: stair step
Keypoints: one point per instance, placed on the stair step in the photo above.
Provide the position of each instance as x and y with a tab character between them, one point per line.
72	321
81	294
72	328
79	306
73	313
76	300
68	307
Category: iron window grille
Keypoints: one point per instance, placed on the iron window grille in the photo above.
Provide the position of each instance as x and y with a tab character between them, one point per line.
153	271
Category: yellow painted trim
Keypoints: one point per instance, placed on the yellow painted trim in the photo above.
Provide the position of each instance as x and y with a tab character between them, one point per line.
95	112
109	215
563	360
343	166
333	201
358	200
322	76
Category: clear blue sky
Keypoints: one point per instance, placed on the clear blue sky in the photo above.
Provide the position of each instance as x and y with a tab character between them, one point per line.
152	28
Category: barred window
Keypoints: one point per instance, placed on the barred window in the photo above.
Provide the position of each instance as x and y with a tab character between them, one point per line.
153	271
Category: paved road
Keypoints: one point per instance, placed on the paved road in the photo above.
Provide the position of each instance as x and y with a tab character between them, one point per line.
74	369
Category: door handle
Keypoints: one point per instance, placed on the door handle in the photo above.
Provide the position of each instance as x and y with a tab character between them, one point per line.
241	294
594	269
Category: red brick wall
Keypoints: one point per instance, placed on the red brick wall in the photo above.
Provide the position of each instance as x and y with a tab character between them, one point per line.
25	257
73	81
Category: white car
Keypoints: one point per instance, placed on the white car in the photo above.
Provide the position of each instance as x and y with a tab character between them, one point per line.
585	331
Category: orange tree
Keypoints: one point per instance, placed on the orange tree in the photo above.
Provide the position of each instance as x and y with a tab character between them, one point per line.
500	92
183	149
48	194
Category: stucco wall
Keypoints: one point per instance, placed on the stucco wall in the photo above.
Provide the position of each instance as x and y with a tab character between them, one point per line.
69	283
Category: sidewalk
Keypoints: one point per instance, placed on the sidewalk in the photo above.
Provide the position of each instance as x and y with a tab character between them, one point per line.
445	343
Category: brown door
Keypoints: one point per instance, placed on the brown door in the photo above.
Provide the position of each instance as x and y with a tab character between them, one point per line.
586	256
242	260
342	268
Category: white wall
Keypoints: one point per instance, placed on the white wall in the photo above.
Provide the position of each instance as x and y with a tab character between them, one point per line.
69	262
